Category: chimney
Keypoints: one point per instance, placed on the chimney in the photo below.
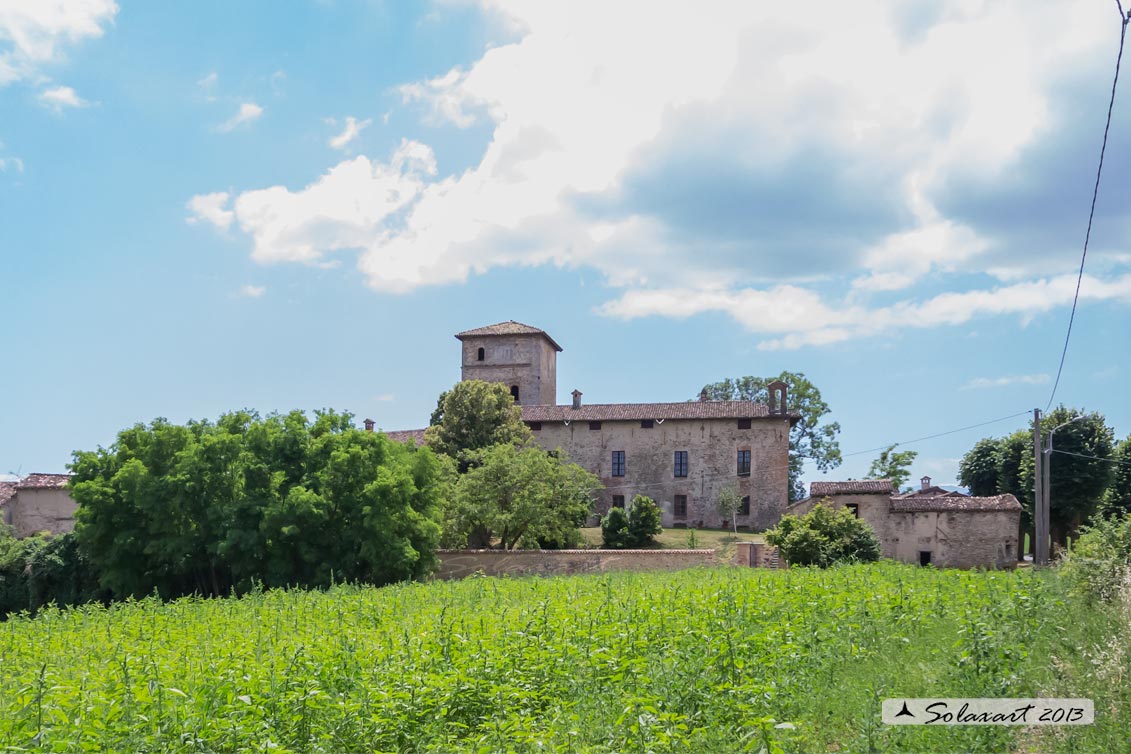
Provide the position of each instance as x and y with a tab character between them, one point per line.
926	482
576	398
703	395
369	425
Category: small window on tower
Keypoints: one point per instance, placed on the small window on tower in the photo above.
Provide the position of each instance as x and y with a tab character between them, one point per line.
514	392
646	423
854	507
535	426
482	354
594	425
742	423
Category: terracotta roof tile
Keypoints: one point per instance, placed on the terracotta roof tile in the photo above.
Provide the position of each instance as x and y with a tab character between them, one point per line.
510	327
860	487
657	411
1004	502
404	435
43	481
7	491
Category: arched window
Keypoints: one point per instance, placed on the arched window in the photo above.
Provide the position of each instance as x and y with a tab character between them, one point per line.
514	392
481	355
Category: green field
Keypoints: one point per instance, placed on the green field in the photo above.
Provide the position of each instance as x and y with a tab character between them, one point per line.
708	660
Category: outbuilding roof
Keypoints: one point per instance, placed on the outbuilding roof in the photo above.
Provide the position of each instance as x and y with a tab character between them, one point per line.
855	487
404	435
1004	502
43	481
655	411
510	327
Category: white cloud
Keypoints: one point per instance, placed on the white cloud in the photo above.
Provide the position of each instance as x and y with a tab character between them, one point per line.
60	97
11	163
33	33
385	397
344	209
732	157
252	291
352	129
211	208
248	113
802	317
981	383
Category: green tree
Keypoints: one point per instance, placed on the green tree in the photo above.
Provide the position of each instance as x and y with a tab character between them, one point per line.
472	416
521	495
614	529
894	466
823	537
1079	472
811	438
636	527
644	521
1118	497
727	504
207	508
979	468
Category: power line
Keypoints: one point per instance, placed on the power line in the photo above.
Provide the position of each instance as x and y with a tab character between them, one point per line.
1093	458
931	437
1124	18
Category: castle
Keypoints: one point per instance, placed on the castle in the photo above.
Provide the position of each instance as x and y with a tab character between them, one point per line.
682	455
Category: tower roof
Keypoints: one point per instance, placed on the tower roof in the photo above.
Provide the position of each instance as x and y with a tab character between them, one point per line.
510	327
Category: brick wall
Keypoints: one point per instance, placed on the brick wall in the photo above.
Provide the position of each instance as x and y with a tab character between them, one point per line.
456	564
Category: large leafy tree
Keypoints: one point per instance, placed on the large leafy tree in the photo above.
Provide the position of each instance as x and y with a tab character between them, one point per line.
893	465
812	437
979	468
1118	498
282	500
472	416
1079	474
522	496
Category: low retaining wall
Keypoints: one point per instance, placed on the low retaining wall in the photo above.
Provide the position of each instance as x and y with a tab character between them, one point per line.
456	564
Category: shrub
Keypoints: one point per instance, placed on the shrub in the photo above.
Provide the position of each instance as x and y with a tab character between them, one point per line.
1100	560
823	537
635	528
614	529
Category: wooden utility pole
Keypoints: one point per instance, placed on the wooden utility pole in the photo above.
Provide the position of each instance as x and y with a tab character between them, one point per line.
1040	519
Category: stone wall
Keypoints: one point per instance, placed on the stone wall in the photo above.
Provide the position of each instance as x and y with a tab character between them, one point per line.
954	539
456	564
712	446
35	510
528	361
757	555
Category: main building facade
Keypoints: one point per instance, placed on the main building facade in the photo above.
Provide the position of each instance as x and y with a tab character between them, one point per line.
682	455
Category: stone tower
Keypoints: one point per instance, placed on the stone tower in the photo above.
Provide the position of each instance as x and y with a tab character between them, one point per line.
522	357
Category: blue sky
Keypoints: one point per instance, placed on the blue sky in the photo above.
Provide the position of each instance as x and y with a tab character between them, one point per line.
209	206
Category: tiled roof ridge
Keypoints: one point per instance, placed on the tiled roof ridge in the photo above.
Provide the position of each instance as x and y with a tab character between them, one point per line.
510	327
42	480
852	487
1003	502
657	411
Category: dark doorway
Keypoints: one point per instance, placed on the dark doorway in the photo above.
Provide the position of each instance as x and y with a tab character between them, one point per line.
514	392
924	557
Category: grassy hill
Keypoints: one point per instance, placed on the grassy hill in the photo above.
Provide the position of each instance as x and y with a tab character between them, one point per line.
721	660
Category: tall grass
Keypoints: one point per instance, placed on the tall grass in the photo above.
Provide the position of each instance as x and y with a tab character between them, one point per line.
721	660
